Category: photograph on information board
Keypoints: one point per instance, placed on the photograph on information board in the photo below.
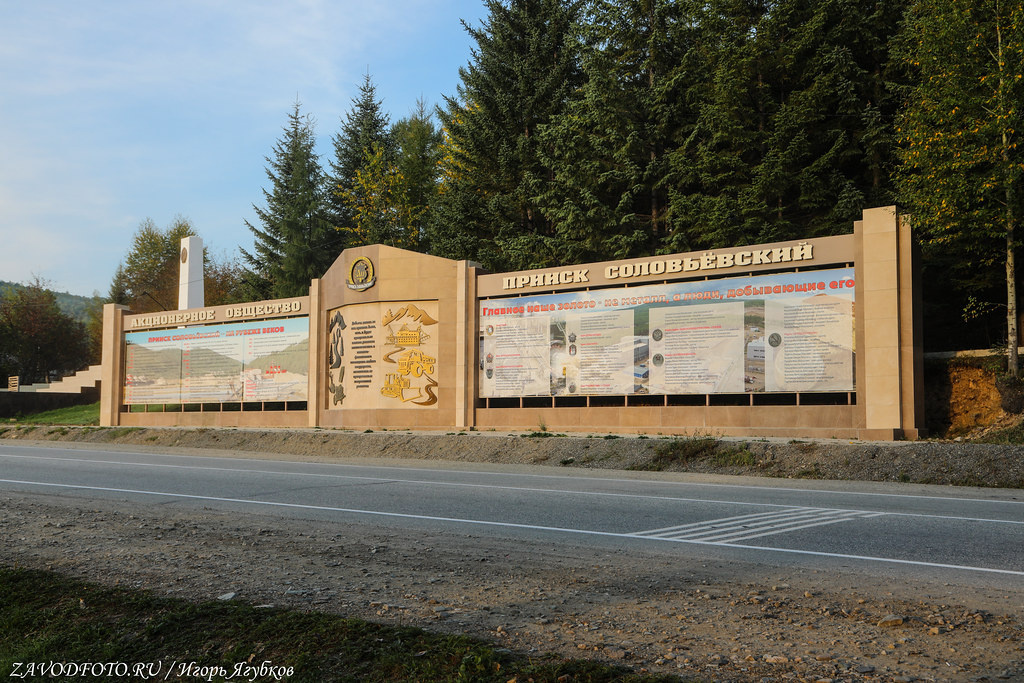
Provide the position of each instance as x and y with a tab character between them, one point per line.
790	332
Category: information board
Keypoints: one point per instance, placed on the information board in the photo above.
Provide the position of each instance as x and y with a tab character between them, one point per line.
266	360
785	332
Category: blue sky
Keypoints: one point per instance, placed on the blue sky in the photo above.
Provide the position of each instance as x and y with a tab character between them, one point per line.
115	111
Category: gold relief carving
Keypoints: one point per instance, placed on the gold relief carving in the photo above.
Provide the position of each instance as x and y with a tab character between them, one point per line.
360	274
412	364
406	337
411	310
416	363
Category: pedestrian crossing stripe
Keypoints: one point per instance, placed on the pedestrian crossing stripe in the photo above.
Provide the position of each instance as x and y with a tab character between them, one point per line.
747	527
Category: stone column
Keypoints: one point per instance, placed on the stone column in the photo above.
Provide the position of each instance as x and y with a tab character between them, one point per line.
191	293
112	378
888	341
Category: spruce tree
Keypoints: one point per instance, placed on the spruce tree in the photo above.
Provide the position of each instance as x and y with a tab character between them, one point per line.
521	75
711	169
293	243
365	125
821	164
794	132
609	147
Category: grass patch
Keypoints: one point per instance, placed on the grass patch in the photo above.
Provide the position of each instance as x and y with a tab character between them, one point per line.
45	617
734	457
1012	435
685	450
118	432
809	473
88	414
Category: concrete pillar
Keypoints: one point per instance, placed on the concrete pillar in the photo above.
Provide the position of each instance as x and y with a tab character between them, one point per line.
317	358
191	293
888	337
112	378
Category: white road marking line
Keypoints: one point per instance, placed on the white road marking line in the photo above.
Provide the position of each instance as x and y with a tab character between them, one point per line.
746	527
723	520
653	482
732	538
527	489
513	525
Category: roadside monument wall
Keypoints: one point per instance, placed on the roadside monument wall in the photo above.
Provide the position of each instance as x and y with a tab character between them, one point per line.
811	338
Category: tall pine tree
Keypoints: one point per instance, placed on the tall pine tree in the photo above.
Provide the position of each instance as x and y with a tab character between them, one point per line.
293	244
365	126
522	74
794	132
418	142
609	148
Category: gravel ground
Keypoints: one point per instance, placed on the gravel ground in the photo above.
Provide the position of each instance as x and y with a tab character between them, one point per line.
658	613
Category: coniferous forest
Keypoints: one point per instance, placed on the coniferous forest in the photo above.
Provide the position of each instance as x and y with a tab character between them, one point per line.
591	130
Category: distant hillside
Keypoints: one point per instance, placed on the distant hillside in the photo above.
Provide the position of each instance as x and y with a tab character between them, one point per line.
71	304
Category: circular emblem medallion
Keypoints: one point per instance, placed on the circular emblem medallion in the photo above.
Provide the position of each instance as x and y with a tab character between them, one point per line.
184	254
360	274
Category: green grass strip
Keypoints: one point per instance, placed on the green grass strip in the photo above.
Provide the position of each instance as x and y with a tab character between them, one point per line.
46	617
88	414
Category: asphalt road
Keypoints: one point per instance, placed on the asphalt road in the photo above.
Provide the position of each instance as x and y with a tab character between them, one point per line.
952	536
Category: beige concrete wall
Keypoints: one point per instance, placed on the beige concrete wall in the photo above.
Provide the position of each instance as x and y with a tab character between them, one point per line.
253	419
887	402
433	285
889	352
745	421
112	353
117	321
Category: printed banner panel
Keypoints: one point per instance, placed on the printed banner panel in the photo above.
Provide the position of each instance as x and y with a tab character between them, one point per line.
771	333
266	360
383	355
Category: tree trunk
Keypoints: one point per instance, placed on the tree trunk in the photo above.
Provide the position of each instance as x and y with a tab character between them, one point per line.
1011	222
1011	289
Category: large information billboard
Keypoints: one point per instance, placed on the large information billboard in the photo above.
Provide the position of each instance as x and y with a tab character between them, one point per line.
265	360
790	332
